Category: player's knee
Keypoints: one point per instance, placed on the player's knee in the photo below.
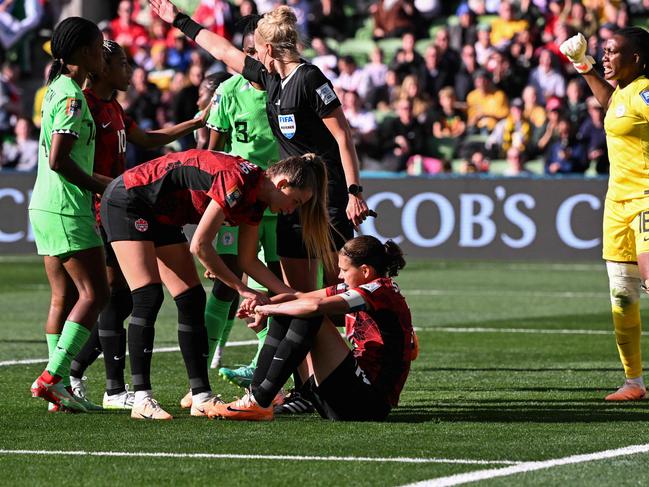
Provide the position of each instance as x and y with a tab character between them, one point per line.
191	307
624	282
122	301
147	301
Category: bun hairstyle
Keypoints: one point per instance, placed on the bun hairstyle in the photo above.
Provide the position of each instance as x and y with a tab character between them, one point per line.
309	172
638	38
387	259
279	29
70	35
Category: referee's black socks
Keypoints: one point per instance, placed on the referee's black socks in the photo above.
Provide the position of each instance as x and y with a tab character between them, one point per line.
192	337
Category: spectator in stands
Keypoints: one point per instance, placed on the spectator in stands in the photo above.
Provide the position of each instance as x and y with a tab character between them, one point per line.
387	94
582	20
39	96
449	56
374	75
184	107
449	123
550	132
517	130
516	164
399	138
575	107
464	77
592	135
215	15
179	53
10	97
546	79
483	47
484	7
325	58
328	20
160	73
436	74
407	60
392	18
566	155
465	31
535	113
144	99
350	77
506	25
362	123
12	29
125	31
506	74
486	105
421	101
521	49
21	153
476	163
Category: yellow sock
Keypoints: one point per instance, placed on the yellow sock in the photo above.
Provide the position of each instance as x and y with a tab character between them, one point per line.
626	320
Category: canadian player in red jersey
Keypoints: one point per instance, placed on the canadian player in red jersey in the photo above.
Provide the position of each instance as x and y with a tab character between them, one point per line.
358	385
114	130
143	212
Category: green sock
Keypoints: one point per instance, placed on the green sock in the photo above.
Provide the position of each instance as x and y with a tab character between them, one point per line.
261	336
225	333
216	314
52	340
72	339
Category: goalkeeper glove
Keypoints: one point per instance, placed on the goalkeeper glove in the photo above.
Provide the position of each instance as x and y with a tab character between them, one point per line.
575	50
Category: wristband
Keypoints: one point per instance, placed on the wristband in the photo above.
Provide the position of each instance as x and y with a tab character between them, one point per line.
187	26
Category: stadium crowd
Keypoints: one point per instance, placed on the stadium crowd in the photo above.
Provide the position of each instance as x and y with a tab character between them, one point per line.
422	83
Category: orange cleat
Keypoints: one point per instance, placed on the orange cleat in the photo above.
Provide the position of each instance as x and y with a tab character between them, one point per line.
149	409
628	392
244	409
186	402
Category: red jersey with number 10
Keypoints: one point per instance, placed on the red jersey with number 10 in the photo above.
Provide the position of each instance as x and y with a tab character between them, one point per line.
379	327
179	186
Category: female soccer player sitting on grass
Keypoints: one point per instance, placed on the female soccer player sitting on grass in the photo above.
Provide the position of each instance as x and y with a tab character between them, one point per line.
359	385
143	212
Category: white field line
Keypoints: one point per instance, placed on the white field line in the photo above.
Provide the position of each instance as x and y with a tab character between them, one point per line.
538	331
255	457
499	293
465	478
29	361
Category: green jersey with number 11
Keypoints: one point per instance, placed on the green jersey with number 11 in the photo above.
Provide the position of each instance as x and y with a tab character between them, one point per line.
65	111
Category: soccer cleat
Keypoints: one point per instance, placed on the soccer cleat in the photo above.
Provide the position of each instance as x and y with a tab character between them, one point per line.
149	409
628	392
51	389
186	401
78	390
216	359
244	409
57	408
241	376
123	400
294	403
205	407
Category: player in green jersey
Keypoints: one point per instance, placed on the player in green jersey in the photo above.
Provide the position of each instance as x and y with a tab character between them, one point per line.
61	207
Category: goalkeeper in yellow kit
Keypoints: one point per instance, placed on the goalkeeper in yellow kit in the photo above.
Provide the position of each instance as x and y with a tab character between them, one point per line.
626	211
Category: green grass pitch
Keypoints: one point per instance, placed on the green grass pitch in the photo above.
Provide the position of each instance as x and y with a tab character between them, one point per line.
515	360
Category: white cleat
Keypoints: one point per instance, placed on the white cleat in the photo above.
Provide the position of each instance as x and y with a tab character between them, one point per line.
79	389
123	400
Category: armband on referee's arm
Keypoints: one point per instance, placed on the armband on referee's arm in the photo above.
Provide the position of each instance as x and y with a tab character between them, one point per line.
187	26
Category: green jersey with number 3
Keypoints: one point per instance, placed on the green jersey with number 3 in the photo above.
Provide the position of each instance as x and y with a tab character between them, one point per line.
65	111
238	108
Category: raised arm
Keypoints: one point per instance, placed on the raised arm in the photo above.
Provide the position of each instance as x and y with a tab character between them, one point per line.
219	47
157	138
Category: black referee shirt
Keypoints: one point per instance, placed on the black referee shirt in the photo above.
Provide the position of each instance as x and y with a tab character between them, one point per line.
295	108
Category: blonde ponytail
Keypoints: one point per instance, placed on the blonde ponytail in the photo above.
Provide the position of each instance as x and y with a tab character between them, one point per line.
279	29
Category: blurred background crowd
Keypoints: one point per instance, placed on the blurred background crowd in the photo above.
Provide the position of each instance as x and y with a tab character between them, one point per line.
428	86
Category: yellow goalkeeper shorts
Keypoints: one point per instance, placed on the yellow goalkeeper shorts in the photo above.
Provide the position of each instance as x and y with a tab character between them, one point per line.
626	229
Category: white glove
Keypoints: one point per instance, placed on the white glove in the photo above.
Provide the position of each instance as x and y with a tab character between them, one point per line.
575	50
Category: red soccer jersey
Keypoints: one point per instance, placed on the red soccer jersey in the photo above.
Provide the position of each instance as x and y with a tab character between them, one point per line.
179	186
379	327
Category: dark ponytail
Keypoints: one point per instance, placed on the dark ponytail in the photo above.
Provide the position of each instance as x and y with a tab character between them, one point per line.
69	35
387	259
638	38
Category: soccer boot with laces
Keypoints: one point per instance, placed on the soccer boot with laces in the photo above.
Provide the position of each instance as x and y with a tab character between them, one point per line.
79	389
186	401
294	403
244	409
241	376
204	408
149	409
122	400
630	391
51	389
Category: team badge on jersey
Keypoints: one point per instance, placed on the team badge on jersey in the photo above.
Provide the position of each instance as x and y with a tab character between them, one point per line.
287	125
73	107
141	225
227	238
232	196
370	286
326	94
645	96
216	100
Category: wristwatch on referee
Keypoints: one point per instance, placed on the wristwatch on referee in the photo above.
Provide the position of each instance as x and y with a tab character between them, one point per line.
354	189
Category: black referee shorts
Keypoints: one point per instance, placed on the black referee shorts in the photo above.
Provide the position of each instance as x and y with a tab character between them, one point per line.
346	396
289	232
125	219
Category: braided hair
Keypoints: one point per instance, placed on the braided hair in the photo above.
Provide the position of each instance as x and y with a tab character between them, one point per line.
638	38
71	34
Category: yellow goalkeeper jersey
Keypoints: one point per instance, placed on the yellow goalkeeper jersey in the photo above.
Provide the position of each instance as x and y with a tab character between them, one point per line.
627	137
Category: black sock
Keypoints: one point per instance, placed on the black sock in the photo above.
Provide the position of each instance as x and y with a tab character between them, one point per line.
277	329
112	336
290	353
141	333
192	337
87	355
